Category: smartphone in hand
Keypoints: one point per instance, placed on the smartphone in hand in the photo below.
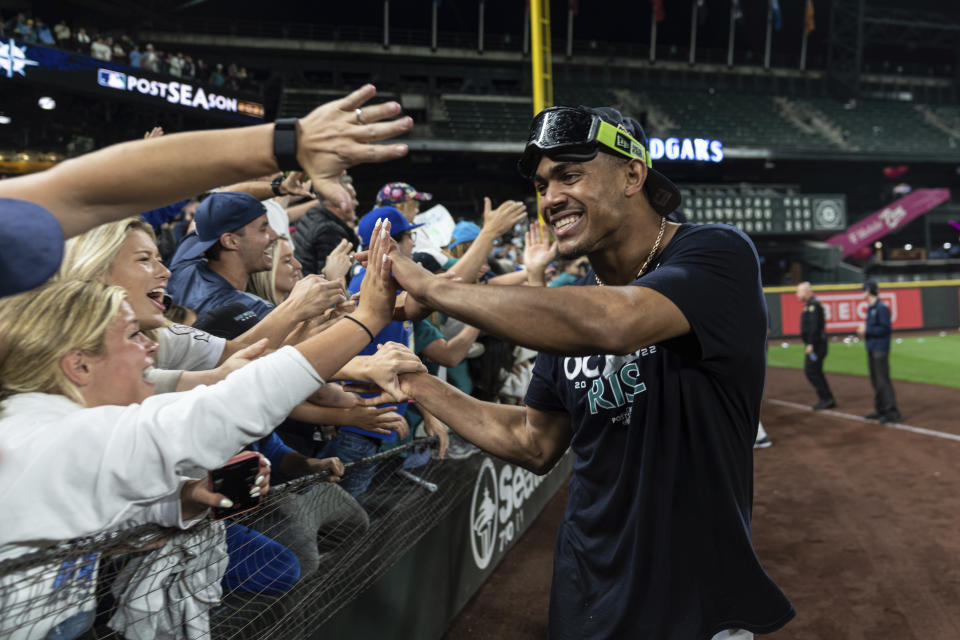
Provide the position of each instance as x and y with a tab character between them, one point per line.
235	480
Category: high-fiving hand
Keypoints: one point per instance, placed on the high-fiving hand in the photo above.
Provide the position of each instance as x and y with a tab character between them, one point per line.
538	253
337	135
378	291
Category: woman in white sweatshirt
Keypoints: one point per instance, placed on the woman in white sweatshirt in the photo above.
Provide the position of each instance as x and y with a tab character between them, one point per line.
85	446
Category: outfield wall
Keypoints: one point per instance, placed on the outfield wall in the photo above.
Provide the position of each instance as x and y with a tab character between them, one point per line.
934	304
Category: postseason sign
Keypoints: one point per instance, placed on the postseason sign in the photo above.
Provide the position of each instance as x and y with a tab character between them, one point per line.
177	93
42	65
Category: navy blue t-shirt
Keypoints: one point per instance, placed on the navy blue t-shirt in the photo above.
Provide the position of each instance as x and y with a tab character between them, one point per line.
655	541
195	285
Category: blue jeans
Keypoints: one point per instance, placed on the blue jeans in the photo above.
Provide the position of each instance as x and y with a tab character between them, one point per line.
73	627
349	447
258	564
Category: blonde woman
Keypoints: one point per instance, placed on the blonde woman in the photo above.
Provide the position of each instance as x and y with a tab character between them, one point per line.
276	284
86	444
125	253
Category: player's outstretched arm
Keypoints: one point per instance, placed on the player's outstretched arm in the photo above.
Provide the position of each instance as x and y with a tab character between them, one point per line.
128	178
532	439
568	320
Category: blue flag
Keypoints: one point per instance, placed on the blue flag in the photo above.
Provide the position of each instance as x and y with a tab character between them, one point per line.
777	18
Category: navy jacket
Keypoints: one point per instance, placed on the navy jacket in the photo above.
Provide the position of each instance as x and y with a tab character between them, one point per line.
878	327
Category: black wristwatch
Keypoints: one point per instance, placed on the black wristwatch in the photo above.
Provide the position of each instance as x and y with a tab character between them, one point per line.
275	185
285	144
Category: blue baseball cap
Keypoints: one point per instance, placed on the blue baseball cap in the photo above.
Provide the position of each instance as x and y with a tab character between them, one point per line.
223	213
398	223
31	246
464	232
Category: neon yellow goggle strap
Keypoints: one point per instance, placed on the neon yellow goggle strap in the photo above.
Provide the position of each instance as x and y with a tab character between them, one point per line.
622	142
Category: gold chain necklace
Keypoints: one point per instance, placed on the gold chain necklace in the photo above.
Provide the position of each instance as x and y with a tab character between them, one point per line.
653	252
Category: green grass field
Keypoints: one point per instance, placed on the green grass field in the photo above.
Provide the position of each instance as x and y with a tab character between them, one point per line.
932	359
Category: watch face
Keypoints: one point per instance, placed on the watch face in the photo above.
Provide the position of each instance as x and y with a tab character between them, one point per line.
285	145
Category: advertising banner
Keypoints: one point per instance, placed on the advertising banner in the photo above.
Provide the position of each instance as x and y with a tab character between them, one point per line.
846	310
42	65
890	218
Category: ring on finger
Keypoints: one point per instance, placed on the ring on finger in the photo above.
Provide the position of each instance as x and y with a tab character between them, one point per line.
359	113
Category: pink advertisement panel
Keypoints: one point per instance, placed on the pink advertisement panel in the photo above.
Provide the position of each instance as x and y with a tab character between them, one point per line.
888	219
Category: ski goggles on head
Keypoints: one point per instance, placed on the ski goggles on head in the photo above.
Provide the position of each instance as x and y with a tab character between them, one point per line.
574	135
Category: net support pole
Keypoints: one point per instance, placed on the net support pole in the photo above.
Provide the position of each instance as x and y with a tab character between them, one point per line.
769	42
480	12
803	50
693	33
653	33
733	24
386	24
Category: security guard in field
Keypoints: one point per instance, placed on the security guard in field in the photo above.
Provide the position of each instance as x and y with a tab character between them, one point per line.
814	334
876	334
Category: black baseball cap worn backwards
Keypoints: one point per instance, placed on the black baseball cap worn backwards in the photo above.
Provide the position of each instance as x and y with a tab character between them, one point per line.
577	134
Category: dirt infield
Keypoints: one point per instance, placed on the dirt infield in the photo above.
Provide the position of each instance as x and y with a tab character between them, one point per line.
859	523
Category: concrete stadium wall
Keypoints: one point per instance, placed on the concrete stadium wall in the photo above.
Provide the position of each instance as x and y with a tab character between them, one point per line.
930	305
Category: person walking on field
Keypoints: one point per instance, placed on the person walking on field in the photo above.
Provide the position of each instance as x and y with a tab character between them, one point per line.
876	331
814	334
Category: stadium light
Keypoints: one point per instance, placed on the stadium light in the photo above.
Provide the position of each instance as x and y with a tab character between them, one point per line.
47	103
4	119
947	245
908	246
878	245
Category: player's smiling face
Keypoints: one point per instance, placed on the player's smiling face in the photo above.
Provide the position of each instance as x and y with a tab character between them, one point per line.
581	201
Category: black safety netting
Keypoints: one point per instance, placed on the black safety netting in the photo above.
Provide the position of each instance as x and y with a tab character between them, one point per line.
278	571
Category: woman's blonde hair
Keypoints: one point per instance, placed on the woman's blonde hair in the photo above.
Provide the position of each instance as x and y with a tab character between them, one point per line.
459	250
264	283
39	327
90	256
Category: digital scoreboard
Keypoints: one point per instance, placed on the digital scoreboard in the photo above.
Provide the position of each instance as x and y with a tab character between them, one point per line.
768	214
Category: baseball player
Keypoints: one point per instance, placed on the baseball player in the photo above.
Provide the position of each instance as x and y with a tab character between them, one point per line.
651	371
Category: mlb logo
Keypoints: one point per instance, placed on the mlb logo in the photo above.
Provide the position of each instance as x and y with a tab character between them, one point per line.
111	79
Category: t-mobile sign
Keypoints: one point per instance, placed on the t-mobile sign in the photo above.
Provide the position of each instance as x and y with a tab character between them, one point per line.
846	310
888	219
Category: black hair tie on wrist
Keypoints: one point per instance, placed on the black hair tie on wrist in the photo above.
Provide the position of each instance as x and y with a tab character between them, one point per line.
361	325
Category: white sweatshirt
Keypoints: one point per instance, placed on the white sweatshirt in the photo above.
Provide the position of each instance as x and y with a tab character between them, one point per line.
67	471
